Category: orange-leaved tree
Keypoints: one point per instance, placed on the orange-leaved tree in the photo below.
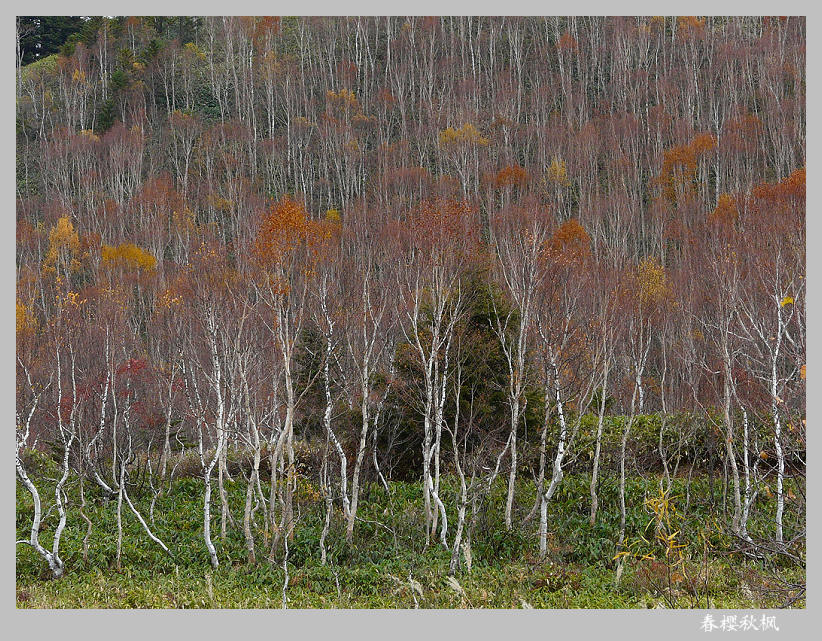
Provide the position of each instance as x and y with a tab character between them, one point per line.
286	250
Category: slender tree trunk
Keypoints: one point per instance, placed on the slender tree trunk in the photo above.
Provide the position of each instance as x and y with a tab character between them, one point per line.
598	445
729	445
780	457
325	487
512	474
746	505
355	479
556	473
86	519
212	552
54	561
249	537
120	516
543	439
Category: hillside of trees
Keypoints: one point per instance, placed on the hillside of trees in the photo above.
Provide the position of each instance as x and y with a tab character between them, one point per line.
467	288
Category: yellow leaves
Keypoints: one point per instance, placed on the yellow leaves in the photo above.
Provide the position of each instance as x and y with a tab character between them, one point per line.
185	220
344	102
665	546
651	281
802	372
219	203
64	243
557	173
26	322
467	134
300	121
181	118
78	76
343	97
167	299
63	236
361	119
788	300
128	256
73	298
193	50
689	25
88	133
332	216
274	62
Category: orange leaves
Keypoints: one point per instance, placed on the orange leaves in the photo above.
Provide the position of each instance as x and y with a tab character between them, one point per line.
777	211
568	43
726	211
680	163
208	274
794	185
511	176
442	224
284	229
179	290
127	256
747	127
286	233
570	244
265	28
790	189
685	157
702	144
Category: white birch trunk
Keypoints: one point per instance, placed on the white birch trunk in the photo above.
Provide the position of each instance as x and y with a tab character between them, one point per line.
598	444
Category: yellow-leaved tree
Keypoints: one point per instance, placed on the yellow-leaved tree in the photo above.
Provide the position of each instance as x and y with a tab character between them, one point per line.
127	256
64	246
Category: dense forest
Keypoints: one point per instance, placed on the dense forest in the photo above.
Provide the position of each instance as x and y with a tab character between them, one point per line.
443	296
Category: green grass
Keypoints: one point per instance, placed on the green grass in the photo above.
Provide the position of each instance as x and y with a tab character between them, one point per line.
389	566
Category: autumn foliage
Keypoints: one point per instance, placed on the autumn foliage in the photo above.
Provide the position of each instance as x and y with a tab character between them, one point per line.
275	250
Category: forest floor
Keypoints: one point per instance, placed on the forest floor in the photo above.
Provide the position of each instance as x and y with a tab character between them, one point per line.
389	565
